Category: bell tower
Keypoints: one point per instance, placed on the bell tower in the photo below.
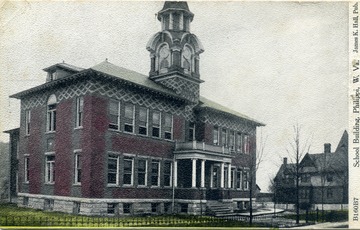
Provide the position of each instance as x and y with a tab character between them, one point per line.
174	52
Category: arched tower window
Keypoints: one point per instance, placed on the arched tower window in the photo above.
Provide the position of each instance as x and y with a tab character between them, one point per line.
187	59
51	113
164	58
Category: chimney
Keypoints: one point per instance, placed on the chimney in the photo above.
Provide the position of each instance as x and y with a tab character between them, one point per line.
285	160
327	148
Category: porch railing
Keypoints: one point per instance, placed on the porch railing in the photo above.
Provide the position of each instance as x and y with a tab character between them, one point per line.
195	145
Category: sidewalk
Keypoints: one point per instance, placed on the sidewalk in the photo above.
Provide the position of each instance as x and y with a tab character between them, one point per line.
327	225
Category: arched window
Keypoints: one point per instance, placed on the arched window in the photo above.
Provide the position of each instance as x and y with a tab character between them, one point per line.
186	59
164	58
51	113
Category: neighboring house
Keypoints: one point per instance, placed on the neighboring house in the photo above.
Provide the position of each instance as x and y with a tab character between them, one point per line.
108	140
323	180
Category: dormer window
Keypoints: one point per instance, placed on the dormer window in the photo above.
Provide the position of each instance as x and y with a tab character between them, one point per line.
51	114
51	76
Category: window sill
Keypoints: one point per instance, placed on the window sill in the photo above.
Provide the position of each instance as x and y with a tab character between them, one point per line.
49	183
50	132
112	185
127	186
77	184
26	182
77	128
114	130
131	133
27	135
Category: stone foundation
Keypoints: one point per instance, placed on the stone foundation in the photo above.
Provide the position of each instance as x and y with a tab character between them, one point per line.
111	207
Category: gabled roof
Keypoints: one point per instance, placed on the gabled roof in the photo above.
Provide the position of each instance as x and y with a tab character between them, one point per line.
286	169
343	143
206	103
337	160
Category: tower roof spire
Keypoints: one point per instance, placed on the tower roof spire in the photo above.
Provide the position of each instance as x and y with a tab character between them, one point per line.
176	6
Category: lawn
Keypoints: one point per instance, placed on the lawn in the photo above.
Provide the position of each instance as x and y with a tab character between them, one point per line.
327	216
11	215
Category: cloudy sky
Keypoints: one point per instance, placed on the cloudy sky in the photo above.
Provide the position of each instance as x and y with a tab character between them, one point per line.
282	63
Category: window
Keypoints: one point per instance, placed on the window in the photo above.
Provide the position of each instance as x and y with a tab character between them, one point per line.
305	178
232	182
27	122
239	142
142	169
226	177
329	178
238	179
155	207
216	135
26	201
79	111
167	173
191	134
50	169
329	193
215	179
51	114
114	111
168	126
48	204
112	208
26	169
184	208
246	180
164	58
76	207
113	163
127	208
77	168
224	137
232	141
246	144
143	120
304	193
155	171
167	207
129	118
156	117
128	171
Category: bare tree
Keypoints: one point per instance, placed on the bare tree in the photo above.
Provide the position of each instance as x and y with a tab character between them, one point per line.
255	161
296	153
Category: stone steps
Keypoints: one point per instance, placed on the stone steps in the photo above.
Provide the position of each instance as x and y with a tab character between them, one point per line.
217	208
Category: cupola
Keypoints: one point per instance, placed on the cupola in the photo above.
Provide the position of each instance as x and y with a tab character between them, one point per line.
174	52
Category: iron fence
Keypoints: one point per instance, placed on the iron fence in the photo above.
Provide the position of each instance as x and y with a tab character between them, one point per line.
88	221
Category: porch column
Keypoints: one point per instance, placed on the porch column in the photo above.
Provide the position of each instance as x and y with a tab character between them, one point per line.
211	175
193	181
175	173
229	176
222	169
202	181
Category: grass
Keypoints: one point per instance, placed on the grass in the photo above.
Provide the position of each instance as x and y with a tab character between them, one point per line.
327	216
11	215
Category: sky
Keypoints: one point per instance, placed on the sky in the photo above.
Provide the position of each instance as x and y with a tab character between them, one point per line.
281	63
